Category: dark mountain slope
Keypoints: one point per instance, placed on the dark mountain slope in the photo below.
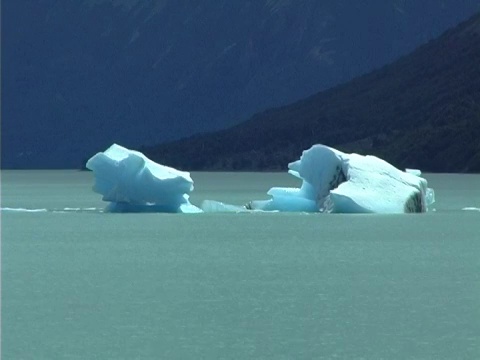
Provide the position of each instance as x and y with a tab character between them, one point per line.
421	111
78	75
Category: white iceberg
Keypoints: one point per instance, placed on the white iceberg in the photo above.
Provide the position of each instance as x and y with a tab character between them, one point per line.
336	182
133	183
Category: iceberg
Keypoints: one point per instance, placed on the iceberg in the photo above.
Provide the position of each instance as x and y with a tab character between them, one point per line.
336	182
332	182
131	182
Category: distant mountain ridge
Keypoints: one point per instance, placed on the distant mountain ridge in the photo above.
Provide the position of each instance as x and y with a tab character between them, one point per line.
78	75
421	111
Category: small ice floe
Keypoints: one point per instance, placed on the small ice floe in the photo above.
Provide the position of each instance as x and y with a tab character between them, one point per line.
210	206
62	210
471	209
78	210
10	209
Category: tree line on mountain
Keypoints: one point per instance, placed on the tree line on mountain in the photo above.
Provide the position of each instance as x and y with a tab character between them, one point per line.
421	111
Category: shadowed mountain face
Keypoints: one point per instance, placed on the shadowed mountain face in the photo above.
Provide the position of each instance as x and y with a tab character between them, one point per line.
422	111
79	75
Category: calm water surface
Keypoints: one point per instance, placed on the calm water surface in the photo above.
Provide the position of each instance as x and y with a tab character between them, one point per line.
81	284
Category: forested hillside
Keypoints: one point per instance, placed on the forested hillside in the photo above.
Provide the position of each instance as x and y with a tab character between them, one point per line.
421	111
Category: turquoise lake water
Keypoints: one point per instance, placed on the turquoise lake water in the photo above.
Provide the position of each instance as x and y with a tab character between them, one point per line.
81	284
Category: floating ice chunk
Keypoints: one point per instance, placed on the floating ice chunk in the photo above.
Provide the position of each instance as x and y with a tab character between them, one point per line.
133	183
429	196
123	207
212	206
471	209
22	210
349	183
285	199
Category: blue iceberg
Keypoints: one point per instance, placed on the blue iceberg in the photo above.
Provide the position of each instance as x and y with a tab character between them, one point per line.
133	183
332	182
336	182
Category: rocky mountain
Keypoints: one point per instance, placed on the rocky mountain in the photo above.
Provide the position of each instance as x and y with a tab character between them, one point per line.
78	75
422	111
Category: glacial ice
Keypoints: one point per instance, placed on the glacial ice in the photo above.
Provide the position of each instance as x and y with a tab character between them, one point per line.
133	183
212	206
336	182
332	182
